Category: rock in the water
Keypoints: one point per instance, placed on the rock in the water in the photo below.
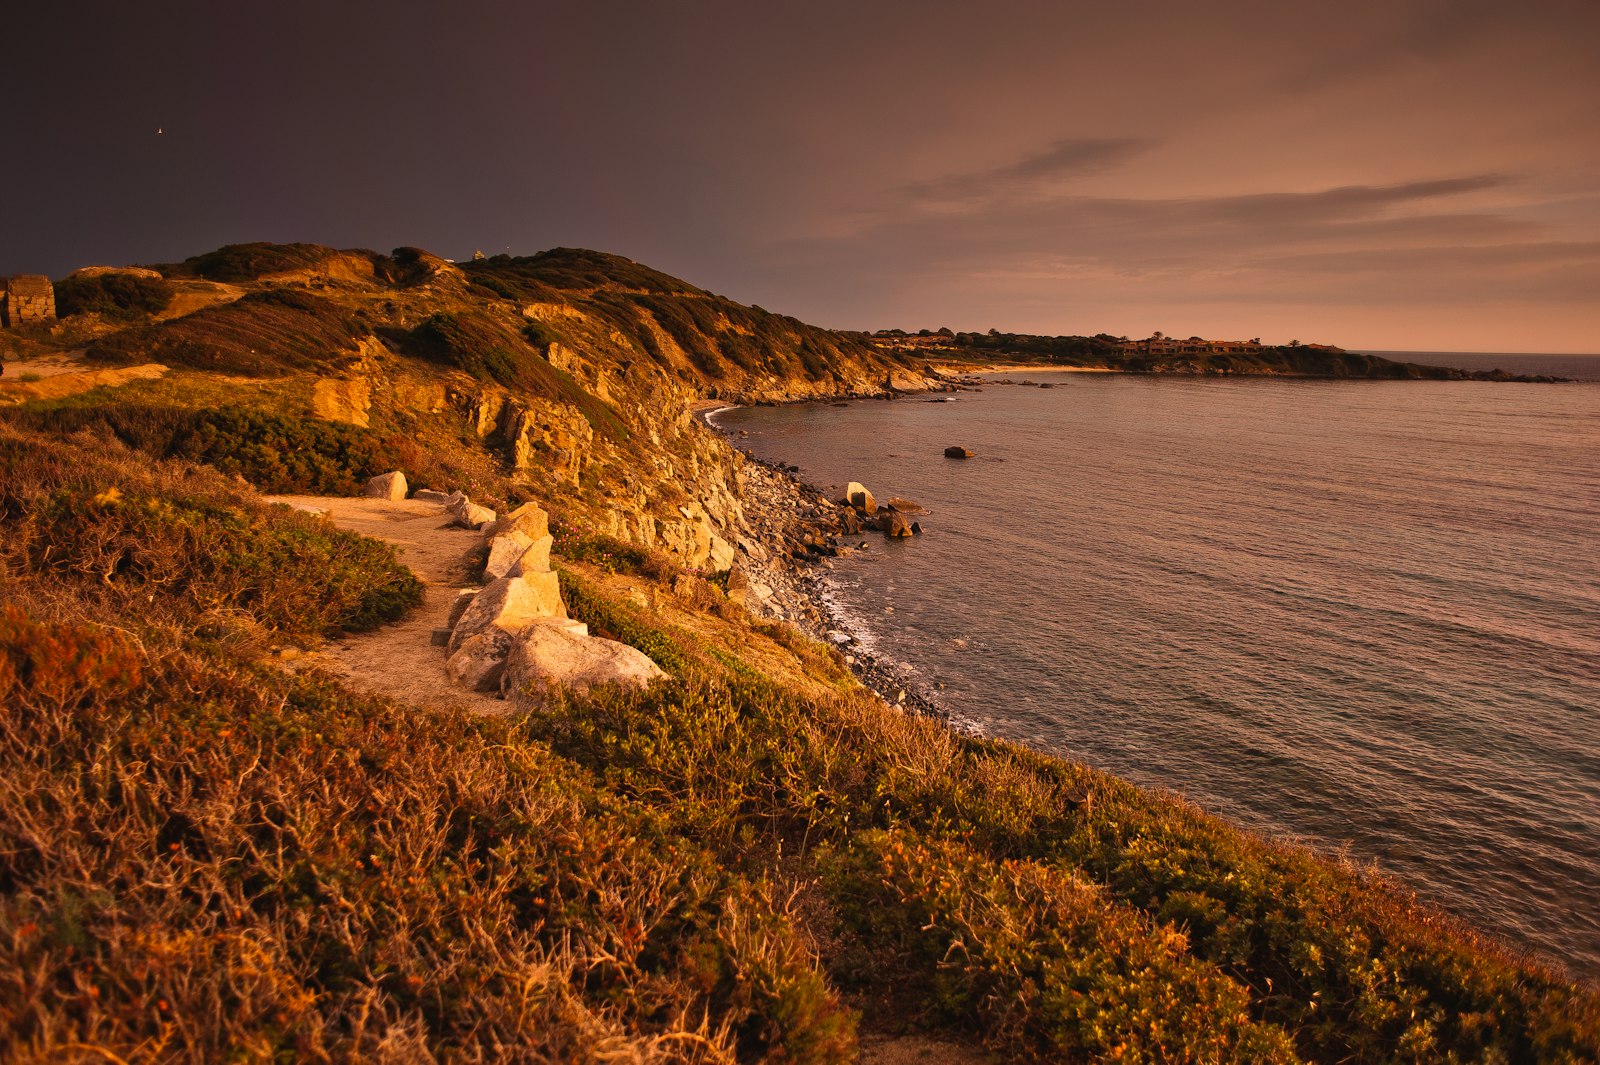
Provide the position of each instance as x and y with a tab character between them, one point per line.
508	603
856	494
957	453
905	506
850	522
387	486
894	523
478	664
544	656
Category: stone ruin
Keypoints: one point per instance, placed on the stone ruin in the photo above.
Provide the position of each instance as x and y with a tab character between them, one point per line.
26	298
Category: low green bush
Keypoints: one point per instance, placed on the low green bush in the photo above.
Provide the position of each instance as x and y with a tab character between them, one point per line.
274	453
116	296
183	547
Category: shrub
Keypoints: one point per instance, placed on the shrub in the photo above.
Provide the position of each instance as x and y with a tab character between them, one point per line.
115	296
229	865
485	347
272	452
179	547
1039	960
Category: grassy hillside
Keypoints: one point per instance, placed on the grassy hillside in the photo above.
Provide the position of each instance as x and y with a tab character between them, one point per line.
205	856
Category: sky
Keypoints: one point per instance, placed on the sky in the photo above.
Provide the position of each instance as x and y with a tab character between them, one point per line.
1396	174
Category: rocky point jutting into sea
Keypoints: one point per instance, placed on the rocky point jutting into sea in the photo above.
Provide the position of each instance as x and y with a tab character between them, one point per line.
259	790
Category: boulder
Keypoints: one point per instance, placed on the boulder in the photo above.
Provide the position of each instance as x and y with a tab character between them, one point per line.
529	519
508	603
545	656
894	523
463	600
515	554
386	486
957	453
428	495
536	559
905	506
469	515
479	663
856	494
850	522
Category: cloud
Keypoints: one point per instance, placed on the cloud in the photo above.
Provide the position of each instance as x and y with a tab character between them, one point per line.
1039	172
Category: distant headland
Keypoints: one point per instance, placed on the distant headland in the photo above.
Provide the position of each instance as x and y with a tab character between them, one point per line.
1161	354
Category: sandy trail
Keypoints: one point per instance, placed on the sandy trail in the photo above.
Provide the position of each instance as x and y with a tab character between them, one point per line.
399	661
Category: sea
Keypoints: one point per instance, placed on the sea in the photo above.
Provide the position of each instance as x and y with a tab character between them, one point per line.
1360	615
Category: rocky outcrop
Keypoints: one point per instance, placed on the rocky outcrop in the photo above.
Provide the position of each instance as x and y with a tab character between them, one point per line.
339	399
894	523
514	636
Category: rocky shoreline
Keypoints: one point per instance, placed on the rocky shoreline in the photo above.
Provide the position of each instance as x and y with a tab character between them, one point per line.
798	535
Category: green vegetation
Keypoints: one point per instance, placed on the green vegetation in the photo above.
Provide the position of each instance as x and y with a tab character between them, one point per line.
265	334
126	297
104	533
1104	351
275	869
274	453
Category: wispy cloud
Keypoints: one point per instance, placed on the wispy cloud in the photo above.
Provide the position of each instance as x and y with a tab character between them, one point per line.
1041	172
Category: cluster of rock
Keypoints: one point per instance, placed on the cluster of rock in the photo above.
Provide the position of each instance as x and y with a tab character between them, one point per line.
863	512
513	635
26	298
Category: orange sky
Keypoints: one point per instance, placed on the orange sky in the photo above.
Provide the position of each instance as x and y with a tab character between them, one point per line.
1404	174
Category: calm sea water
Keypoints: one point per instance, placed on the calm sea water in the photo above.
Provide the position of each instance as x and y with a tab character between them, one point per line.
1361	614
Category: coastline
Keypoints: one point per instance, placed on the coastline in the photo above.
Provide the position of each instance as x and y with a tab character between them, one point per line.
879	674
786	515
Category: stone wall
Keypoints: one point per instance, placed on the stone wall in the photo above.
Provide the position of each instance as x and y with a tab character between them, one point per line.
27	298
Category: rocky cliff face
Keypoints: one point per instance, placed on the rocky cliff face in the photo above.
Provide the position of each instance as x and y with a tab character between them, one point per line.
576	370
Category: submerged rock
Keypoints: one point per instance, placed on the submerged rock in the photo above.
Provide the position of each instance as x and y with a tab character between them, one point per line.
957	453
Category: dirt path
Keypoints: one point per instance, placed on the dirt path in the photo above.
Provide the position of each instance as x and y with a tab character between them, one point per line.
65	374
399	661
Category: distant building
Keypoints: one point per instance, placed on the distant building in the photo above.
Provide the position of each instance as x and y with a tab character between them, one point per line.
26	298
1157	344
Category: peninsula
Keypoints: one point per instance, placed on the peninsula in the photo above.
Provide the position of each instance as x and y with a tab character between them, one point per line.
255	799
